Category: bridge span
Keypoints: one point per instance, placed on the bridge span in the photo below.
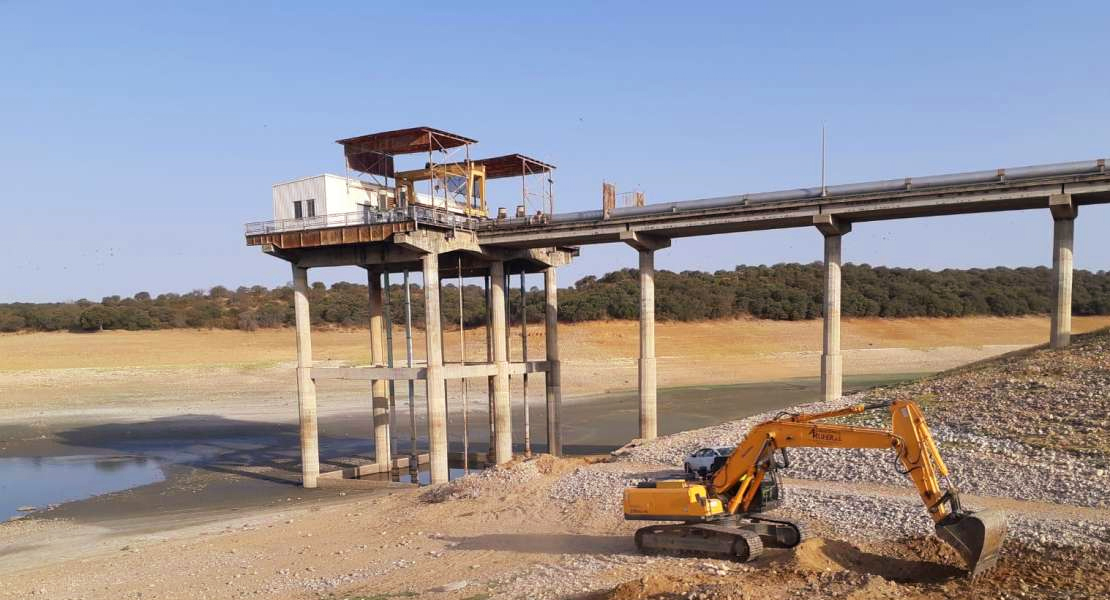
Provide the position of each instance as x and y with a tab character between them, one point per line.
402	240
1024	188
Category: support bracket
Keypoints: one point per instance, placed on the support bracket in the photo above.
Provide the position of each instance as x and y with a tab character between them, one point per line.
551	257
429	242
644	241
1062	207
831	224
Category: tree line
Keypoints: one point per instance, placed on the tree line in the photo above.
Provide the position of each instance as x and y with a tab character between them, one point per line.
783	292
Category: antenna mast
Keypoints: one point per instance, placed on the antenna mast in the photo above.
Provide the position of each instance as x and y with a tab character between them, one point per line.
824	189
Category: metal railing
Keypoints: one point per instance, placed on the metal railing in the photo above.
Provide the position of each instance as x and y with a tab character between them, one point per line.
419	214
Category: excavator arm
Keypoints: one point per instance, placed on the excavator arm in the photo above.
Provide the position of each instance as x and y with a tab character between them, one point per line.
908	437
730	496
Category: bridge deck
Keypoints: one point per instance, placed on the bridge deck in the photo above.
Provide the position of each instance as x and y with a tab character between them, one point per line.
964	199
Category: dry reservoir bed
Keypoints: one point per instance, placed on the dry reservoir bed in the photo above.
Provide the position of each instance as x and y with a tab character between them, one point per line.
1025	434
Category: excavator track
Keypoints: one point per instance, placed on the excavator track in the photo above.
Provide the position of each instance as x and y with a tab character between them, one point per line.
786	534
703	539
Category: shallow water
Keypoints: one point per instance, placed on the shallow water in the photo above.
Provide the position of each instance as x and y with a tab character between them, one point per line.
598	424
40	482
135	452
424	476
611	420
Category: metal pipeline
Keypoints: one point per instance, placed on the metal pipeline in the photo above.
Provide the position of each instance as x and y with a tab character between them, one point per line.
849	189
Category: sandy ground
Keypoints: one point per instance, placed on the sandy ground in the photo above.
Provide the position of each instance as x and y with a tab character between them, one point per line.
129	375
507	539
242	528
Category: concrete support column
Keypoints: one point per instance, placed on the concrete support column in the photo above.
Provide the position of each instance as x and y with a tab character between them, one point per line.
379	388
502	412
646	245
1063	238
306	387
649	426
437	388
832	367
554	373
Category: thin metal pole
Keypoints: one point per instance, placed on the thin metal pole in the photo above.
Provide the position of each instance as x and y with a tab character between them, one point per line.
462	361
388	310
489	360
414	458
524	357
443	352
824	190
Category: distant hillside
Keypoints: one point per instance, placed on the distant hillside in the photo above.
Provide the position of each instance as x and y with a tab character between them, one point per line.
784	292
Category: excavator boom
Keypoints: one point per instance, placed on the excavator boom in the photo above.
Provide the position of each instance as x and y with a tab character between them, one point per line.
738	487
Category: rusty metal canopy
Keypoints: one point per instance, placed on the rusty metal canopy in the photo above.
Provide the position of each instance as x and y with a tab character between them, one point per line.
511	165
404	141
373	153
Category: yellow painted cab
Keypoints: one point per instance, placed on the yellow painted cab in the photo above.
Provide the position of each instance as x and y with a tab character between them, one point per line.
670	500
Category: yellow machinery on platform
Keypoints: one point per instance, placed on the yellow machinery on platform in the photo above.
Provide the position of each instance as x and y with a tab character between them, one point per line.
722	515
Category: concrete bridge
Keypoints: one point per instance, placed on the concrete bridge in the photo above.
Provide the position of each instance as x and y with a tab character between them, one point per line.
494	248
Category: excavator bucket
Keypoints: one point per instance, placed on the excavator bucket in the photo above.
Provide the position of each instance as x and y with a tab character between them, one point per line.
977	536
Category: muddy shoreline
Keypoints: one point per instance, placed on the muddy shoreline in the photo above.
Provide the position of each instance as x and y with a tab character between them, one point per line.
213	463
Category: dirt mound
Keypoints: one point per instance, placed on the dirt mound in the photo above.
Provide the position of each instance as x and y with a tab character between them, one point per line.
513	475
651	586
823	555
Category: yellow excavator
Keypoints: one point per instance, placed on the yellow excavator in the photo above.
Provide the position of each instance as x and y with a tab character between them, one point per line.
721	516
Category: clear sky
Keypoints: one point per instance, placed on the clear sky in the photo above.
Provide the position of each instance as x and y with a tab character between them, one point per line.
136	139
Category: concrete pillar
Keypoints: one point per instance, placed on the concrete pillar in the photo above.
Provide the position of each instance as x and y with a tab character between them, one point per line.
502	414
832	367
437	388
1063	238
647	245
379	388
554	373
649	427
306	387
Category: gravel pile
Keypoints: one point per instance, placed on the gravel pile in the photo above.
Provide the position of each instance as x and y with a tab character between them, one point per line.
866	518
672	449
493	479
1034	426
602	484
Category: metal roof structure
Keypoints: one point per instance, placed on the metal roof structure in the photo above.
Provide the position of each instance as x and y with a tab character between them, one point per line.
511	165
373	153
404	141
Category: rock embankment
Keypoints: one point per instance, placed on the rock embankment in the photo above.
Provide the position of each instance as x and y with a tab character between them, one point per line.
1031	426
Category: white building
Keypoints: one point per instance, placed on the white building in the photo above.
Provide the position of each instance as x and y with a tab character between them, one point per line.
326	194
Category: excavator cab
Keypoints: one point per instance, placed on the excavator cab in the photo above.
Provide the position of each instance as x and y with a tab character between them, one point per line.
769	495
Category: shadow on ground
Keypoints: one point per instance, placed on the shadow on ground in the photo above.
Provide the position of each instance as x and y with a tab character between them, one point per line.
542	543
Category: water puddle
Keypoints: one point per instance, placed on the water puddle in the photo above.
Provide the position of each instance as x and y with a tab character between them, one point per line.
42	482
424	476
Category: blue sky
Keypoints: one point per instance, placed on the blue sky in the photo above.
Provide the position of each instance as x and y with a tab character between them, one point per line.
135	139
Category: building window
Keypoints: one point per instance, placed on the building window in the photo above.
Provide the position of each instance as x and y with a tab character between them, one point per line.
311	208
298	213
